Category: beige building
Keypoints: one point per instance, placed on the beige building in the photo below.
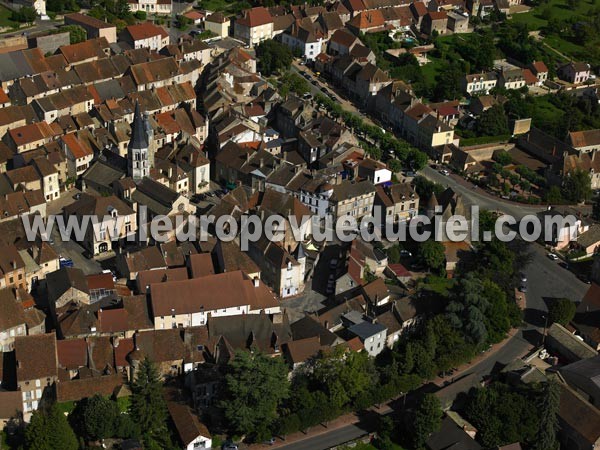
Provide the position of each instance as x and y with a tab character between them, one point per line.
397	203
37	369
218	24
94	28
255	26
351	198
161	7
116	221
187	303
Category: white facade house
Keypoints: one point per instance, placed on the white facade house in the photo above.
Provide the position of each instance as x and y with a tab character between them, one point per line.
305	40
480	83
188	303
163	7
255	26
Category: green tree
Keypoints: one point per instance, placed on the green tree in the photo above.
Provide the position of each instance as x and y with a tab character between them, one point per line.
140	15
432	254
148	408
553	195
502	157
416	159
273	57
26	14
427	420
96	418
394	165
561	310
550	404
577	186
76	33
493	122
254	388
448	82
49	430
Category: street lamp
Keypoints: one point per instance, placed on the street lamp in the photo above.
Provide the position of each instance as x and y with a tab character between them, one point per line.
545	317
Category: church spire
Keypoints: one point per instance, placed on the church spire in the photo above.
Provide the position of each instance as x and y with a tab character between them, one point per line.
139	138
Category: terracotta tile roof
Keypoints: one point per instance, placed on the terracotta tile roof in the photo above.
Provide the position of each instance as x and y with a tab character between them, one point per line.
36	357
72	353
539	67
300	350
11	313
368	19
217	17
161	345
530	78
100	353
220	291
201	265
579	415
3	97
75	390
584	138
33	132
100	281
187	424
122	348
437	15
11	404
92	48
194	15
76	146
145	30
88	20
255	17
145	278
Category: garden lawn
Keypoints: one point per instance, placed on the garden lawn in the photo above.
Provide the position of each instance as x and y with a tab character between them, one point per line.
5	20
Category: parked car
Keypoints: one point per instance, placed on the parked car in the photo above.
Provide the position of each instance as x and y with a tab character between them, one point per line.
584	278
523	277
444	172
405	253
523	288
269	441
333	263
230	446
65	262
552	256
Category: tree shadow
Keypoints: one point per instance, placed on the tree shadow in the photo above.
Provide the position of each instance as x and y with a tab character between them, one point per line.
535	317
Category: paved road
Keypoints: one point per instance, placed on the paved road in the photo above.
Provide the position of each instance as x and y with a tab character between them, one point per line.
328	440
478	196
546	280
339	94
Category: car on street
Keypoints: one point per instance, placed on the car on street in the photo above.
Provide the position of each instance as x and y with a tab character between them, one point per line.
65	262
314	82
523	288
552	256
333	263
523	277
405	253
229	446
324	90
584	278
444	172
269	441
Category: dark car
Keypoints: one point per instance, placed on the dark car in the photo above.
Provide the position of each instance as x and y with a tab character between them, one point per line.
324	90
584	278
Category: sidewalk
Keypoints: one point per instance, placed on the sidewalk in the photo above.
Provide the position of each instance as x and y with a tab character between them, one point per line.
478	359
353	419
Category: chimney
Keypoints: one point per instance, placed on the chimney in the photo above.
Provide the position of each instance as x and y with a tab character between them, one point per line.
116	341
261	162
248	157
256	282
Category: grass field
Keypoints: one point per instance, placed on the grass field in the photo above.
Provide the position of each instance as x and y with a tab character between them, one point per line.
5	14
538	18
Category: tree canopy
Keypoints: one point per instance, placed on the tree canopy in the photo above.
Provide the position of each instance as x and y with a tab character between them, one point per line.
561	310
255	386
148	408
273	57
49	430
